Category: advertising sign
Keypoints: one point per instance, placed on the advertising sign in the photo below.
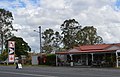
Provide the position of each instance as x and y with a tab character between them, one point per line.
11	51
11	58
11	44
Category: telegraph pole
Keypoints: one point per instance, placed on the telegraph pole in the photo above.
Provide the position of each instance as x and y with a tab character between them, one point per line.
2	42
40	39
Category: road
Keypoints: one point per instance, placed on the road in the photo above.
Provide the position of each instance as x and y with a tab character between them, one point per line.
38	71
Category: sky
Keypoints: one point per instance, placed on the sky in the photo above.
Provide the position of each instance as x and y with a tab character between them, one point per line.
30	14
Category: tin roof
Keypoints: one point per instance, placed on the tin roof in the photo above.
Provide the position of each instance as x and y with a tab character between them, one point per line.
92	49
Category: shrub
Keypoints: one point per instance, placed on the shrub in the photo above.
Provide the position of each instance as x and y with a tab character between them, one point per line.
50	59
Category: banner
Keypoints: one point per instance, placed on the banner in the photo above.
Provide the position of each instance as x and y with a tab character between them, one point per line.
11	51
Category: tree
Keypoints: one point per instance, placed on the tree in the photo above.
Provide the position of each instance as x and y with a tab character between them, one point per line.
74	35
47	35
57	41
52	40
88	36
4	56
5	25
21	47
69	29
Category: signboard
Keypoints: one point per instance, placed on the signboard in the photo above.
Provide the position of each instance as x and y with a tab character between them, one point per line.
11	58
11	51
19	65
11	44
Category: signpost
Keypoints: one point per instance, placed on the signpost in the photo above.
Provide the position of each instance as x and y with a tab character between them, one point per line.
11	51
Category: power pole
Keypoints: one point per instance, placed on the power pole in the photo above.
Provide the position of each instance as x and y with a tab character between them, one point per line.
2	42
40	39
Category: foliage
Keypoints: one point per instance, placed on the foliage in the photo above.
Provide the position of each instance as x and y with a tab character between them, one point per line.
50	59
88	36
52	40
57	41
5	25
72	35
21	47
69	29
4	55
48	38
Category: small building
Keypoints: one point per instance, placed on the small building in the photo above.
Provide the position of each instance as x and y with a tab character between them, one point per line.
92	55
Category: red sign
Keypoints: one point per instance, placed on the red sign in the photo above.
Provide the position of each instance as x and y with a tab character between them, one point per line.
11	58
11	44
11	51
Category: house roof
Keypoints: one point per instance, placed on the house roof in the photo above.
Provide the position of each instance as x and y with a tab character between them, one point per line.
92	48
62	52
93	51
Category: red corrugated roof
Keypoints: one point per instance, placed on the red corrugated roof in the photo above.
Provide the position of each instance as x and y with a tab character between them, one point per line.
118	44
62	53
92	51
92	48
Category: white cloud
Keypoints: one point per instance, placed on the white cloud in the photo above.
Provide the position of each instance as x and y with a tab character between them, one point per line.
50	4
28	15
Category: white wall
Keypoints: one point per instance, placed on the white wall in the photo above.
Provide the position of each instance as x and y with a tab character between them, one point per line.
34	60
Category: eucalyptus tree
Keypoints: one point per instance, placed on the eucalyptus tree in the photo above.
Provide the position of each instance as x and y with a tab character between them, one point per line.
69	29
6	19
57	41
48	37
88	36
